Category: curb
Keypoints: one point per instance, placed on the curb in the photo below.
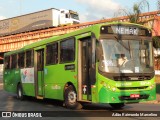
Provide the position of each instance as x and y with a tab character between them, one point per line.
153	102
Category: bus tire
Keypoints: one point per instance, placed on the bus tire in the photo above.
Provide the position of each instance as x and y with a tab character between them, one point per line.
70	98
117	105
20	95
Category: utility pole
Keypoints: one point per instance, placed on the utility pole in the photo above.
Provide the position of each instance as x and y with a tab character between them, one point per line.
158	5
20	7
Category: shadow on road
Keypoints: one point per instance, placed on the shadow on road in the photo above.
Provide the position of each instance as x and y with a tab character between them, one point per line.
59	104
10	102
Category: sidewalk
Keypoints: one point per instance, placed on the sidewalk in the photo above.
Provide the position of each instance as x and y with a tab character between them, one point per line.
1	81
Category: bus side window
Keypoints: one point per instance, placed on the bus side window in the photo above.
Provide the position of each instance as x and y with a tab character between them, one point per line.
52	54
29	58
21	60
67	51
14	61
7	62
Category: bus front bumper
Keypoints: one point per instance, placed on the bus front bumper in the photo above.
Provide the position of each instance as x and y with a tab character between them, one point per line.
107	96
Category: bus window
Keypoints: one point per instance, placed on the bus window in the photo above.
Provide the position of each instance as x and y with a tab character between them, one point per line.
21	60
52	54
67	51
14	61
29	59
7	62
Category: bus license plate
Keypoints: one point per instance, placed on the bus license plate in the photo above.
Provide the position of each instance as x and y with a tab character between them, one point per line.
134	96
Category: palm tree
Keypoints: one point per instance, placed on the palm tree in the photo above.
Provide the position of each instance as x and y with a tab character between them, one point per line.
134	14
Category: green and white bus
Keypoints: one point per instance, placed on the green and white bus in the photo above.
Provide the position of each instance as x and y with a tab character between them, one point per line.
104	63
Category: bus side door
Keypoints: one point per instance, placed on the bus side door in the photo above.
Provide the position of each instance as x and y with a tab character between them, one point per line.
39	62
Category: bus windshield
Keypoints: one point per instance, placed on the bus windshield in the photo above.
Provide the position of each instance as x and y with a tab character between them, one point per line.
126	56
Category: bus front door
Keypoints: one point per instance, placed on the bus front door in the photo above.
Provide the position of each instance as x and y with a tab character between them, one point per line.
40	73
86	64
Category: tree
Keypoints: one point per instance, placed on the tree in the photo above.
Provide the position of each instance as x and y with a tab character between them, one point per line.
134	14
156	42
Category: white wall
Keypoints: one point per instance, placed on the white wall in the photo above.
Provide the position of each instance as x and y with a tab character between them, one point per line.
1	71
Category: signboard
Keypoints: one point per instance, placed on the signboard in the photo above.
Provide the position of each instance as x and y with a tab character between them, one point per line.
29	22
27	75
125	30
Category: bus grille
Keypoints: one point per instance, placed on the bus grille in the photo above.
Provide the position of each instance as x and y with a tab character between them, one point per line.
132	88
128	78
129	98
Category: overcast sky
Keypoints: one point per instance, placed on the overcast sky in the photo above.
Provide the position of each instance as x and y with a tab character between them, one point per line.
89	10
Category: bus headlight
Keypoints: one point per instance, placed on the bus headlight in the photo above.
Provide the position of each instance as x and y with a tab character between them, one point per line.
104	84
152	86
113	89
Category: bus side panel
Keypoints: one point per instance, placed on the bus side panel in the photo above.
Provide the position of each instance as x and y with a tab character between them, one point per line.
51	80
29	89
55	78
11	79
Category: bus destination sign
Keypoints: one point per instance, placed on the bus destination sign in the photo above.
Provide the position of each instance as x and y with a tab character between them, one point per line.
125	30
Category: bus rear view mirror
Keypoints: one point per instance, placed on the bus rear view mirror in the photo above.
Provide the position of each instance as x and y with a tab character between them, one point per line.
98	53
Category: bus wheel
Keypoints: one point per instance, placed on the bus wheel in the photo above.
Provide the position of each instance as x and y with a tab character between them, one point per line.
20	92
71	98
117	105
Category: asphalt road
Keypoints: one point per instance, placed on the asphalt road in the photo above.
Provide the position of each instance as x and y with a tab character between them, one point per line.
9	102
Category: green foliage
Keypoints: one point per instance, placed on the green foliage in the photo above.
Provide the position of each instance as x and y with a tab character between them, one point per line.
134	14
156	42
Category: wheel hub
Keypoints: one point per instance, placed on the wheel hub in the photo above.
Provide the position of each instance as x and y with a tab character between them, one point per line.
72	97
19	93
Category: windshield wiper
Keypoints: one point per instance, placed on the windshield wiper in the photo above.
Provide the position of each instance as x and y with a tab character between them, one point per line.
128	49
122	44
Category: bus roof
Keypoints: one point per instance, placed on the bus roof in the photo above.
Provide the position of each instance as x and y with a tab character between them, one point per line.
75	33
